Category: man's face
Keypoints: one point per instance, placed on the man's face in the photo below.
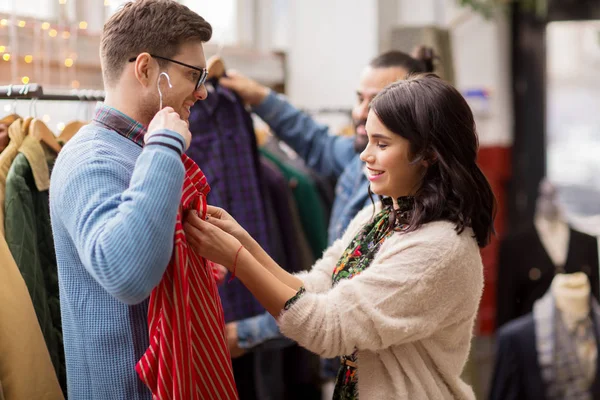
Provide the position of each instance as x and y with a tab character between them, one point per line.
182	95
371	82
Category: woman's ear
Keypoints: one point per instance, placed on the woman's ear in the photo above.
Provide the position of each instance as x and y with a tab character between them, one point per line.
429	160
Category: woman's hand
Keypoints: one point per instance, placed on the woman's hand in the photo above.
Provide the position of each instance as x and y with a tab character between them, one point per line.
209	241
221	219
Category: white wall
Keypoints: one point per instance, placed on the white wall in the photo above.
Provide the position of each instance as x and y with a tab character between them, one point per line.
330	42
481	55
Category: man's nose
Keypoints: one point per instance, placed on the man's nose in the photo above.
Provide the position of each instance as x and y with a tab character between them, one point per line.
201	93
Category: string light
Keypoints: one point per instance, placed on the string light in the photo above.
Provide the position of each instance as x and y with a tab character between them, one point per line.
60	126
25	80
46	26
21	24
83	25
66	34
53	33
3	22
6	57
2	49
75	84
46	118
107	3
28	58
69	62
62	1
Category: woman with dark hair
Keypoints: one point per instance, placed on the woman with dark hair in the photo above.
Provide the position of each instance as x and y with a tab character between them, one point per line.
396	297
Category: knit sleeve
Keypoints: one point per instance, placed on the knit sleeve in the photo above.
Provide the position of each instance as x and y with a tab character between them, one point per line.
319	278
416	286
122	224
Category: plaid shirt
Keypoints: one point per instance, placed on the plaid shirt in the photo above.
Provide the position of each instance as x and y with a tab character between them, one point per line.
188	357
224	146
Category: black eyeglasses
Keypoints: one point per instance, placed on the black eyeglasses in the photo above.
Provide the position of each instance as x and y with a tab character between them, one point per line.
203	71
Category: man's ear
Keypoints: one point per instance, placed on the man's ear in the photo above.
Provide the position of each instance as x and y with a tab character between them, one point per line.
143	69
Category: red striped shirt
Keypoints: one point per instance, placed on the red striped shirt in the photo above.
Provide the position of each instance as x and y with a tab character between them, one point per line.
188	357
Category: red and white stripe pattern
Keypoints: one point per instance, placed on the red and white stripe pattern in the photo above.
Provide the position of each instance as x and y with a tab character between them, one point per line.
188	358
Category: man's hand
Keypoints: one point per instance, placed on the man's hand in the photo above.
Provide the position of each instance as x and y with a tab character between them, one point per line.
167	118
252	92
232	340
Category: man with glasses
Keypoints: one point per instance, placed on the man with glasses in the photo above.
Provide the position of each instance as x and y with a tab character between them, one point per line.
115	199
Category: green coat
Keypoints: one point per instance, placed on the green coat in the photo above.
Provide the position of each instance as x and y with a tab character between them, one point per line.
29	237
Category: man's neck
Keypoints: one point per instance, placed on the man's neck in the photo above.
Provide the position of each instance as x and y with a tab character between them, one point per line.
127	106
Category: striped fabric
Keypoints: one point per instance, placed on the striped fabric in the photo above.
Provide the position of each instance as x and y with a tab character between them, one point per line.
188	358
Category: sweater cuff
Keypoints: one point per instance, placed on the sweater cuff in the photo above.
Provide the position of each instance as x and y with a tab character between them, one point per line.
168	139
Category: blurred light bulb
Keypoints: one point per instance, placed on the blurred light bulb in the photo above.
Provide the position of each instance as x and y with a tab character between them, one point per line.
46	26
28	58
69	62
25	80
46	118
21	24
53	33
83	25
6	57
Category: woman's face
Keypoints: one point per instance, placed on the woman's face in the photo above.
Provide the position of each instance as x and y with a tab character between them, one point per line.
388	161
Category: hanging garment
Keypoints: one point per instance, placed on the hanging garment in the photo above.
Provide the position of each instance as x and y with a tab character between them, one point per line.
16	132
536	357
28	234
291	231
224	146
309	205
188	357
525	271
325	185
26	370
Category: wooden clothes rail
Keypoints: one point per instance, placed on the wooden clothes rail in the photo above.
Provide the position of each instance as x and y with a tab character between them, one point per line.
35	91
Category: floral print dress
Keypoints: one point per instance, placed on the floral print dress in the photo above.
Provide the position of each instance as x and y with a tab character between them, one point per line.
356	258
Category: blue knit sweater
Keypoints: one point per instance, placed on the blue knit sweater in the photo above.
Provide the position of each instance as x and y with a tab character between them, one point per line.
113	209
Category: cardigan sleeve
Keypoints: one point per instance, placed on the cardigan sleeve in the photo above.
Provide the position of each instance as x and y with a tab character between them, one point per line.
319	278
419	283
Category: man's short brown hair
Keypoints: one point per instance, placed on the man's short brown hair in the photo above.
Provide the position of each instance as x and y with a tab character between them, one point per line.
155	26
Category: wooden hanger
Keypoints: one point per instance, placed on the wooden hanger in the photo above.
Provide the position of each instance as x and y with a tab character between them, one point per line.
70	130
39	130
9	119
216	67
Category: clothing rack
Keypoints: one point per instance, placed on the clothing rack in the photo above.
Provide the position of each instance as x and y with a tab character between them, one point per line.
35	91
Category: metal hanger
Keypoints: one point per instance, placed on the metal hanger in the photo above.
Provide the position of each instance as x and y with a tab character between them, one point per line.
158	87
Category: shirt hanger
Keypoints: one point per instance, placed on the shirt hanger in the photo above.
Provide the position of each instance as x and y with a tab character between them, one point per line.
216	67
40	131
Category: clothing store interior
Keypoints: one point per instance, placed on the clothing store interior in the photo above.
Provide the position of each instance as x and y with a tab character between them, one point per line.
529	71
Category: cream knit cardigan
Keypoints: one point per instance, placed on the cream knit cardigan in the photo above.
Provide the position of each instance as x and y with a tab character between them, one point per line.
410	314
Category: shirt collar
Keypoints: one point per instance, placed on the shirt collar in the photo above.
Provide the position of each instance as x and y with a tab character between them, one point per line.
124	125
216	95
